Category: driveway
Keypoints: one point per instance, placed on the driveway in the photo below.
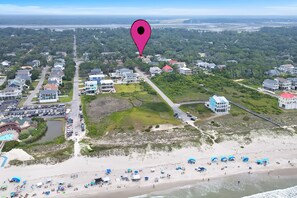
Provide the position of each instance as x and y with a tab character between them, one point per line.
37	88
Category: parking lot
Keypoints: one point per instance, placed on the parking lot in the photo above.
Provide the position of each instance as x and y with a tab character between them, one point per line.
46	111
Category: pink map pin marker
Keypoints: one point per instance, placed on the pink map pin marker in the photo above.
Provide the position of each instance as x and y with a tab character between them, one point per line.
140	32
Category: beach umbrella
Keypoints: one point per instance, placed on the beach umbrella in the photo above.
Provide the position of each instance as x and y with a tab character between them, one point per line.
265	160
108	171
231	158
16	179
214	159
129	170
224	159
192	160
259	162
201	169
245	159
136	172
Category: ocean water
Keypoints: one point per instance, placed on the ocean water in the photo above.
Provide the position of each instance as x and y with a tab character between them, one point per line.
250	186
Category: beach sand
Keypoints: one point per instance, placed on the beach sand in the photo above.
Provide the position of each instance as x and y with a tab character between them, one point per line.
279	150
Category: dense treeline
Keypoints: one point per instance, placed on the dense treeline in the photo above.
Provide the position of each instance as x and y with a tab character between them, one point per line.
255	52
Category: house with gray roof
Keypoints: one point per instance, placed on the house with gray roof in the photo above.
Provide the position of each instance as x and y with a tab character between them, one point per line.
271	85
46	96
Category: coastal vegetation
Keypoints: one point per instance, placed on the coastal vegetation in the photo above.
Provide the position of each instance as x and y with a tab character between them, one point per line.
132	108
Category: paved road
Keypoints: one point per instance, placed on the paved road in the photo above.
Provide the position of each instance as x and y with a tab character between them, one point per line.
37	88
175	107
74	113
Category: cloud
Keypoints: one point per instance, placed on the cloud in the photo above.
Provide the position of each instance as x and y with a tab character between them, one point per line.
10	9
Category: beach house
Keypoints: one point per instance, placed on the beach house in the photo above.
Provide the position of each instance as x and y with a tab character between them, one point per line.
167	69
287	101
10	93
284	84
96	77
91	87
130	78
107	86
271	85
185	71
219	104
46	96
287	68
24	74
155	71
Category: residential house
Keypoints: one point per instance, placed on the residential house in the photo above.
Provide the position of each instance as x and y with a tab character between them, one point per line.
130	78
180	64
16	83
51	87
287	101
205	65
284	84
287	68
46	96
185	70
107	86
146	60
273	73
55	78
232	61
24	74
271	85
10	93
221	67
59	65
121	72
53	81
5	63
91	87
295	70
96	71
155	71
167	69
36	63
219	104
96	77
57	72
293	83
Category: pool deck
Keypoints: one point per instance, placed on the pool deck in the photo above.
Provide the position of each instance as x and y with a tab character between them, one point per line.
14	133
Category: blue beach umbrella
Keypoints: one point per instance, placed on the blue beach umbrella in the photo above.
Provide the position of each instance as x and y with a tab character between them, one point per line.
231	158
224	159
214	159
245	159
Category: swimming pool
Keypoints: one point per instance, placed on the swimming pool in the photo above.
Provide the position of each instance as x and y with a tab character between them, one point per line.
6	137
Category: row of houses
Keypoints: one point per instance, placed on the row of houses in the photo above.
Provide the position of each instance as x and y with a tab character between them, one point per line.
181	67
283	69
97	83
280	84
16	86
50	92
208	66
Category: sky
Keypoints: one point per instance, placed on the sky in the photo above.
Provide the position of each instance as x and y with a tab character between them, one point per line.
149	7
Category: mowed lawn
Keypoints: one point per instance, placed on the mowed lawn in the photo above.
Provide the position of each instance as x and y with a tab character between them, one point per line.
147	110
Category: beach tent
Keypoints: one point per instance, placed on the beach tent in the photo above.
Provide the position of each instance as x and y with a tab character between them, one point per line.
146	178
153	170
214	159
245	159
136	172
259	162
231	158
16	179
136	177
61	182
200	169
106	179
265	161
48	180
224	159
178	168
4	187
39	184
129	170
108	171
192	160
98	180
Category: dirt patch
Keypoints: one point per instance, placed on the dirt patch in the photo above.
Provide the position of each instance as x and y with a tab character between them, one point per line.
104	106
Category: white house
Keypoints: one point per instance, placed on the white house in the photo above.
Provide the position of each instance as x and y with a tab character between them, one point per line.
5	63
155	70
56	78
271	85
10	93
287	101
46	96
287	68
219	104
96	77
185	70
107	86
284	84
130	78
179	64
59	65
91	87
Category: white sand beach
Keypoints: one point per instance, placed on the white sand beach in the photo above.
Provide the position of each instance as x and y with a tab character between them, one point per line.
279	150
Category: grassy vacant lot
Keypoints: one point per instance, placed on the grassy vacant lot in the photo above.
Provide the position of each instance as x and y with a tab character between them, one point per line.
198	110
125	111
66	91
182	88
